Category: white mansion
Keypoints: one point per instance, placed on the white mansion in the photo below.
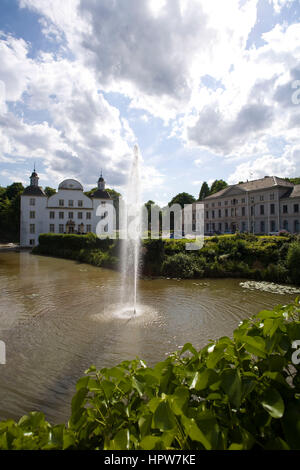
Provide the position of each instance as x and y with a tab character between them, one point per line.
266	205
69	210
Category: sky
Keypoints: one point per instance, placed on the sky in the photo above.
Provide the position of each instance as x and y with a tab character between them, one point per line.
208	89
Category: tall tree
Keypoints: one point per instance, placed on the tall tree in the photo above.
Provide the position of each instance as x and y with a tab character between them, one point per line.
218	185
204	191
182	199
49	191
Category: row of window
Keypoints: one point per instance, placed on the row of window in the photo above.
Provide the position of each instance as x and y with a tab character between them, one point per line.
61	228
61	215
234	202
293	226
61	202
233	212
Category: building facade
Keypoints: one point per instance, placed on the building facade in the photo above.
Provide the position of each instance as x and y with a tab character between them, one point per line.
263	206
69	210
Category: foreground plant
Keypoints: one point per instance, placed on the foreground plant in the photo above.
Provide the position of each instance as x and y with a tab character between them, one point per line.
240	393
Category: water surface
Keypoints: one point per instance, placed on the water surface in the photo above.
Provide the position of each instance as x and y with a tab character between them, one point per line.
57	317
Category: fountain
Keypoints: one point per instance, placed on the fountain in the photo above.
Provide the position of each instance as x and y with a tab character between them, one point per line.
131	226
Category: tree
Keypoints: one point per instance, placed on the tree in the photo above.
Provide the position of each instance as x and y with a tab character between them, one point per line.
218	185
13	190
49	191
10	212
182	199
204	191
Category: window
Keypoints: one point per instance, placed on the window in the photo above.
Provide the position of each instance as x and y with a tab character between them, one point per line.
61	228
61	202
261	198
213	214
243	226
243	211
80	203
207	215
243	200
207	227
296	226
272	226
226	212
220	213
52	228
52	215
252	210
272	209
32	215
226	226
213	204
220	227
213	227
88	228
219	204
296	208
232	212
285	209
61	215
71	215
285	225
226	203
262	226
71	203
32	201
88	215
32	228
262	210
79	215
272	197
252	199
32	242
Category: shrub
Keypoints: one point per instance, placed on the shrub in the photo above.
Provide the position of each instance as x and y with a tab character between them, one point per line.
293	262
182	265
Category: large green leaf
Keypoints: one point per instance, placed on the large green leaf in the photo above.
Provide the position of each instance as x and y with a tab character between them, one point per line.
273	403
232	385
163	417
255	345
194	432
204	379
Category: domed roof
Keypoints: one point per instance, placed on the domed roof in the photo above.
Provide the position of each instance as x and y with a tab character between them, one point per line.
71	184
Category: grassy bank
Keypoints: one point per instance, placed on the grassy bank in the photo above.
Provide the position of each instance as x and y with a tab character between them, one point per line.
267	258
234	394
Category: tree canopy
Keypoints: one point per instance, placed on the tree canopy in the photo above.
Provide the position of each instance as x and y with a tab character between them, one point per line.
182	199
204	191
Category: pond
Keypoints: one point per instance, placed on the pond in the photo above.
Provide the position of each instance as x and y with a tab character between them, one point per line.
58	317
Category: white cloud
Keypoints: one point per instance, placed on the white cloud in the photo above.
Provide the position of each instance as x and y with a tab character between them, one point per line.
267	165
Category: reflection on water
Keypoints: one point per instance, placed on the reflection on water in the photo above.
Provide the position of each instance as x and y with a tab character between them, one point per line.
58	317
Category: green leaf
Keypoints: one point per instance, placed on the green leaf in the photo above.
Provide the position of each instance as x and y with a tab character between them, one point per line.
255	345
204	379
215	356
194	432
151	443
121	440
163	417
179	399
232	385
273	403
189	347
